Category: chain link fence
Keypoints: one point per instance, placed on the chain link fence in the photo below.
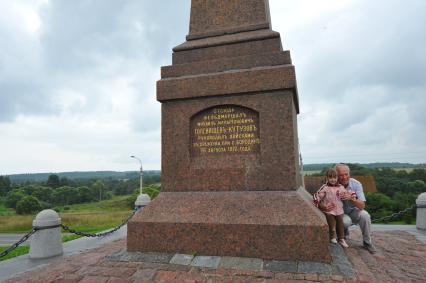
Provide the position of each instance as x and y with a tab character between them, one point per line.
68	229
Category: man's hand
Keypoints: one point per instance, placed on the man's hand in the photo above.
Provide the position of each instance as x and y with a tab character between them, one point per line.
326	207
346	196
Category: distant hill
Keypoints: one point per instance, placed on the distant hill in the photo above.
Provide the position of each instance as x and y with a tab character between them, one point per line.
41	177
394	165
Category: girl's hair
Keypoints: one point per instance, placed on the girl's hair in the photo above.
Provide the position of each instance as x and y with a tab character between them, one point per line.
331	173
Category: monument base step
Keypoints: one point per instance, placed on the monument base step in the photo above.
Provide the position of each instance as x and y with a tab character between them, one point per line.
262	224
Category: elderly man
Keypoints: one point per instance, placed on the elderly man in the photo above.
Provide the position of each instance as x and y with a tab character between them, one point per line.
353	206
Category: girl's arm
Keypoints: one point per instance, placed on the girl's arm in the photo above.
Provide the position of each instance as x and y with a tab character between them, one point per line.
319	195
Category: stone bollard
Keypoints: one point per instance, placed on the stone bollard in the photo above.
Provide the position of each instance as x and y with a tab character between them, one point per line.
47	242
142	200
421	211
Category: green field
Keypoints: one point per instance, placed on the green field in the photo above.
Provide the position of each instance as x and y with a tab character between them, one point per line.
311	172
408	170
88	217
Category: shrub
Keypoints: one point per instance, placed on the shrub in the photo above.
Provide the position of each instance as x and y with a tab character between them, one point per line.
151	190
13	197
85	194
45	204
28	205
43	194
65	196
132	198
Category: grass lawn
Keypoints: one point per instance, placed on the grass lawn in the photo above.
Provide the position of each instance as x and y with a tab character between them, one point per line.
21	250
88	217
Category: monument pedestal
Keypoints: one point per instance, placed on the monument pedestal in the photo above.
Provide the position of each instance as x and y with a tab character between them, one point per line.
231	182
256	224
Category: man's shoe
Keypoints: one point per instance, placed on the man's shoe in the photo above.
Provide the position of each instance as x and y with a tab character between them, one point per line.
370	248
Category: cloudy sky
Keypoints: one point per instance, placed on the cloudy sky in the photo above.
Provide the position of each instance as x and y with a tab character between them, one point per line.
77	80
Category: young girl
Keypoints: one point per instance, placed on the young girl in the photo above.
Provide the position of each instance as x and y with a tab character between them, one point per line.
329	193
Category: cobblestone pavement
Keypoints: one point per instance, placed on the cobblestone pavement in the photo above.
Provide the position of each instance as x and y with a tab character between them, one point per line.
400	258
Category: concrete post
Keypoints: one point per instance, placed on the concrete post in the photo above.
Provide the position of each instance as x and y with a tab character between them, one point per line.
142	200
421	211
48	242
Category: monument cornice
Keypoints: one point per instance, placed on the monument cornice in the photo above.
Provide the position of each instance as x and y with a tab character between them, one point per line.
226	64
219	32
227	39
230	82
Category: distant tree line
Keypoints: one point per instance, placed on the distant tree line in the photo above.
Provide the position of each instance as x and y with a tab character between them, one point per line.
41	177
378	165
30	197
5	185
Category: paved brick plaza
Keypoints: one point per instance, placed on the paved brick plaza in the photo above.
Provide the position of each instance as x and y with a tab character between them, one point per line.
400	258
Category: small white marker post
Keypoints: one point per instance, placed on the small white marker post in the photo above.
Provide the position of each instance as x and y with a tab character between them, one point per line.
143	199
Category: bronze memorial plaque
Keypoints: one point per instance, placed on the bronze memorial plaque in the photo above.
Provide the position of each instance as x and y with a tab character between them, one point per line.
225	129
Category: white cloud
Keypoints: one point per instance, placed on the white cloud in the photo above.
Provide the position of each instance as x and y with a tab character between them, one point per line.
359	66
77	80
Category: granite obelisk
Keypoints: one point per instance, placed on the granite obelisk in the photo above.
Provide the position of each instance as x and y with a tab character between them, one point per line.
231	181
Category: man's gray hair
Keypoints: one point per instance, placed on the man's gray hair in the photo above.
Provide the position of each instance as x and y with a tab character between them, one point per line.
342	165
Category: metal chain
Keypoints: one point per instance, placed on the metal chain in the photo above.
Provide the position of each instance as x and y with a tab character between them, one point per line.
80	233
394	215
103	234
15	245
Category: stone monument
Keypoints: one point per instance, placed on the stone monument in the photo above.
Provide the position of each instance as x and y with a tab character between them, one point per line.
231	183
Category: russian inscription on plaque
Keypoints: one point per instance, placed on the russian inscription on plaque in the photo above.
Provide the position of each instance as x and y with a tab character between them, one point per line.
225	129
